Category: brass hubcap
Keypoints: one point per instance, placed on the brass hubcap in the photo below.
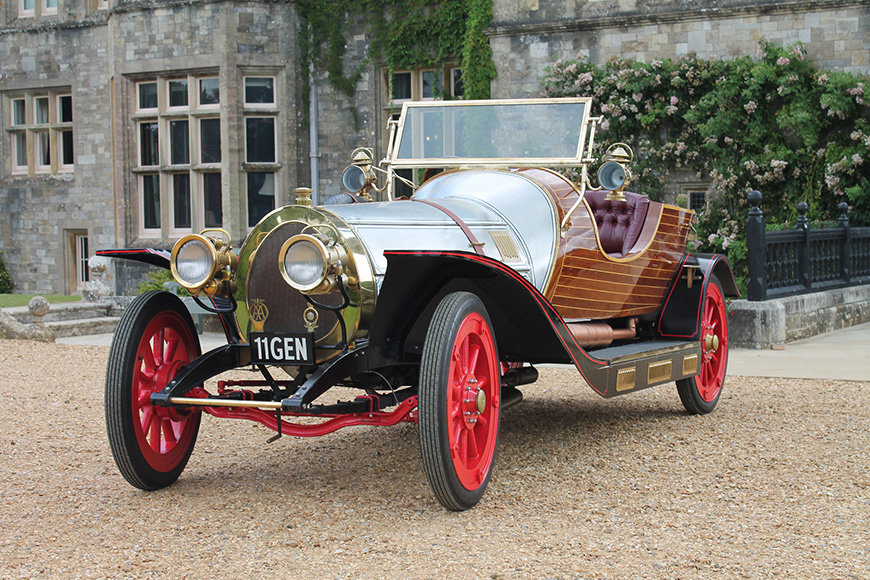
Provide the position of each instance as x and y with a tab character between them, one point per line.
711	343
481	401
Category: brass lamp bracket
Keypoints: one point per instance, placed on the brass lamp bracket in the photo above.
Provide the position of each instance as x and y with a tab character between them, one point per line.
691	275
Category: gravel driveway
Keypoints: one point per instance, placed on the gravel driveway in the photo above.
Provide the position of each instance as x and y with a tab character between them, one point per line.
774	484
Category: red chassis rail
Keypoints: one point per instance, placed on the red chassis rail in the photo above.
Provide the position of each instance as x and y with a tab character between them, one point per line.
405	411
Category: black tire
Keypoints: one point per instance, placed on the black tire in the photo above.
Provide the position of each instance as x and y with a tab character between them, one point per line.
459	401
154	340
700	394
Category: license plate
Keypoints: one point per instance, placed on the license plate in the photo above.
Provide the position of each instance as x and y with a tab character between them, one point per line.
285	348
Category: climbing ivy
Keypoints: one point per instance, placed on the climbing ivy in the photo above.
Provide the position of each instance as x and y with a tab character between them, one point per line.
478	68
5	279
402	33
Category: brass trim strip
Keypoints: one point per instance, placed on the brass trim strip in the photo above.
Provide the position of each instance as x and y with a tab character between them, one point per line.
659	352
198	402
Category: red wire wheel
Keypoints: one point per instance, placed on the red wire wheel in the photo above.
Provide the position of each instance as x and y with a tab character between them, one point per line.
701	393
459	401
154	341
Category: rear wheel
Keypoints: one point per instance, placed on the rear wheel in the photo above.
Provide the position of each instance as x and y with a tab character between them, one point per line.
154	341
701	393
459	401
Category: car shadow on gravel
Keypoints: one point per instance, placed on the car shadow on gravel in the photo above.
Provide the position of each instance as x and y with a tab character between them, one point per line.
370	464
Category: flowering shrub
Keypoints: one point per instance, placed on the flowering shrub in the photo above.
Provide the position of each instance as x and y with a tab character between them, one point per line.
773	122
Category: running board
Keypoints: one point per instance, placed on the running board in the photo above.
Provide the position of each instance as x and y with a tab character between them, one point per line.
637	366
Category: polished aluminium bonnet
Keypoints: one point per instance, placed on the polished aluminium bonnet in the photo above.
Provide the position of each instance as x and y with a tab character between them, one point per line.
509	213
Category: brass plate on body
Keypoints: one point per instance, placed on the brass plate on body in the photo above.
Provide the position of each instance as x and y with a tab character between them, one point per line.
690	364
660	371
626	379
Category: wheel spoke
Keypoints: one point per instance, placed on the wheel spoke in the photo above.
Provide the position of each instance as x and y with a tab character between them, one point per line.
157	347
172	343
461	358
458	428
462	446
454	409
169	434
473	451
154	433
146	417
474	356
146	353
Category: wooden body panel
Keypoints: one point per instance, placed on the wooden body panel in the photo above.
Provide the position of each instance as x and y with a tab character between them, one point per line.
587	283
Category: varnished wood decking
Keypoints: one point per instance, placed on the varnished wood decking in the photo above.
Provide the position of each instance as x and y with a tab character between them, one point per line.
587	283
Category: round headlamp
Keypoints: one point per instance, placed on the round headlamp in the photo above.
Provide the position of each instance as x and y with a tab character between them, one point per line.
193	262
303	262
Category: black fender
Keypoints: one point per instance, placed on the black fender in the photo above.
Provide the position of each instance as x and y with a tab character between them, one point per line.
526	326
153	256
680	317
160	258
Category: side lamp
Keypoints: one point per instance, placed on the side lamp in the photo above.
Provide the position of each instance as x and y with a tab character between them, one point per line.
359	177
615	173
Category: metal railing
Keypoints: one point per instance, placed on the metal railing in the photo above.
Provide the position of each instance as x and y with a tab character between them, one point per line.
804	260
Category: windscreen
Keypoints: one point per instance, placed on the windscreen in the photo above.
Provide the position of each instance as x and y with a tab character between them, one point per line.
538	131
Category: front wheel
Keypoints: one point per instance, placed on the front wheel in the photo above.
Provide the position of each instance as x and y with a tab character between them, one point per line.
459	400
701	393
154	341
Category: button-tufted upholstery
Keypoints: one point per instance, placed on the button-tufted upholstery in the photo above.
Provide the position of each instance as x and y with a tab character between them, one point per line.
619	222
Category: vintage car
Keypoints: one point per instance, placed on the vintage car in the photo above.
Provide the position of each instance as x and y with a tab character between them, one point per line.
431	308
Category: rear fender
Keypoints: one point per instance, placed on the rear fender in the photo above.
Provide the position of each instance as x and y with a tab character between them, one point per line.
681	316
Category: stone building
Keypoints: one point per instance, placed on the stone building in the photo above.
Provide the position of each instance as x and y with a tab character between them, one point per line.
131	123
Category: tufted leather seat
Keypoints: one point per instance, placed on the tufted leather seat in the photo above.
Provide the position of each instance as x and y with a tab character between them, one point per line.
619	222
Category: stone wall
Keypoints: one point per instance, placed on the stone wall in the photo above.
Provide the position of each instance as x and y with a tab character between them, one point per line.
762	324
340	132
99	56
230	39
39	211
529	35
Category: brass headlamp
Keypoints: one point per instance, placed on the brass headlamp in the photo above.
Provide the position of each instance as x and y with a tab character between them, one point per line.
205	264
313	264
615	173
